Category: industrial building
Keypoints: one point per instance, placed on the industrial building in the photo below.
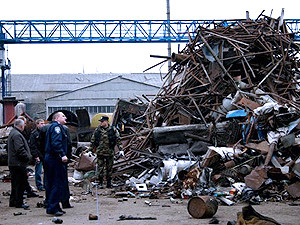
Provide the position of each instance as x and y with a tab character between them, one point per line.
97	93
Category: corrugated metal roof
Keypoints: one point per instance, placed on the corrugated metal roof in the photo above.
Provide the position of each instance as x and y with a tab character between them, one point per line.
68	82
92	85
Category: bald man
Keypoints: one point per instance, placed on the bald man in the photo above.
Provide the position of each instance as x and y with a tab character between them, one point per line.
56	164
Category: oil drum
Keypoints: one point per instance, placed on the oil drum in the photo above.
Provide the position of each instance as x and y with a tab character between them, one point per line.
202	206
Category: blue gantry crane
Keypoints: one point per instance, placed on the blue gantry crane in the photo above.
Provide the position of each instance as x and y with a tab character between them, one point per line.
110	31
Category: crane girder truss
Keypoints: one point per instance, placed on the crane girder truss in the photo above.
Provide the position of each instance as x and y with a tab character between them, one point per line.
111	31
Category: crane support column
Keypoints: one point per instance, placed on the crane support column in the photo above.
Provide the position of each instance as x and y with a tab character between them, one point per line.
2	65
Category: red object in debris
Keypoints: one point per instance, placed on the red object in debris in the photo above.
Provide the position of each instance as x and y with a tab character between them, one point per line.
9	104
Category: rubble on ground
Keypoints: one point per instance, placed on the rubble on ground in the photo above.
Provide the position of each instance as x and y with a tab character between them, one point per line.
227	123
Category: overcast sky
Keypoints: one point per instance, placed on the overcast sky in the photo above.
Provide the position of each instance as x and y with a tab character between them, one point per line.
118	58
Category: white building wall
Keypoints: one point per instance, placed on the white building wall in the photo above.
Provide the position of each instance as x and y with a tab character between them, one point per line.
102	94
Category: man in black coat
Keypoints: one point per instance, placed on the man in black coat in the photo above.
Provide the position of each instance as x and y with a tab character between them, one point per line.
18	158
38	153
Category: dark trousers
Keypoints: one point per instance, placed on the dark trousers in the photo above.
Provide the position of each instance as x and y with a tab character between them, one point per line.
45	181
28	188
56	183
105	161
66	197
18	184
65	202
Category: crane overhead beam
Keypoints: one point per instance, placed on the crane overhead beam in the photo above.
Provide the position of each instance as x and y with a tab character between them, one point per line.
111	31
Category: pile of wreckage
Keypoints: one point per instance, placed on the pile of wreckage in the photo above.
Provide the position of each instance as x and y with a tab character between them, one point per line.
227	122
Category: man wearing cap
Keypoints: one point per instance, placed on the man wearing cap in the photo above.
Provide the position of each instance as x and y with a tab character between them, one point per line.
103	142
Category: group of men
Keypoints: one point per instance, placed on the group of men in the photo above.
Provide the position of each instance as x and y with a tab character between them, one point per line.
50	146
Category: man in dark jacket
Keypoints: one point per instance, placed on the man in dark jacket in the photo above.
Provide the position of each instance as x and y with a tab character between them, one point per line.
38	153
42	140
55	164
26	133
18	158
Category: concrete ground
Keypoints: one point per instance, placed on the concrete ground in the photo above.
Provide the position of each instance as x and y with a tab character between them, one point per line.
110	209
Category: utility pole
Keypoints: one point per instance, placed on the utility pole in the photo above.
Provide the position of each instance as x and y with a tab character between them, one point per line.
2	65
169	42
3	68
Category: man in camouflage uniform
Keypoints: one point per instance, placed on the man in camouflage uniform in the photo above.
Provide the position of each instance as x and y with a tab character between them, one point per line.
103	142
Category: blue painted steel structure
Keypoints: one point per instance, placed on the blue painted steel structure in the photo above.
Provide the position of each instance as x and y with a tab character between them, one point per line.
294	27
110	31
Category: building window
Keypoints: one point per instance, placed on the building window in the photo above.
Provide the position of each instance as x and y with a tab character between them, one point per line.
90	109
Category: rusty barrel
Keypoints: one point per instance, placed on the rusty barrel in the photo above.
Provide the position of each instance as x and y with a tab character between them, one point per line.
202	206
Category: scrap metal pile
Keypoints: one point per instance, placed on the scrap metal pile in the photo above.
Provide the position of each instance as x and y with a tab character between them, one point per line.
226	124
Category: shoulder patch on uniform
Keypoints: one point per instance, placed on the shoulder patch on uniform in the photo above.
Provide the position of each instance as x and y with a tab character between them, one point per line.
57	130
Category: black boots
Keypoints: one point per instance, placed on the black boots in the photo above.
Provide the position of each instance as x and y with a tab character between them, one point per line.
100	185
109	185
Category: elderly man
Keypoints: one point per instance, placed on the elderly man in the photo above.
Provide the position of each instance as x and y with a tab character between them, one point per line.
103	142
18	158
55	164
26	133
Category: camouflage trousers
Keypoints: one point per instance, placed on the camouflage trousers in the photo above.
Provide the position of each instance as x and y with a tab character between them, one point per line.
105	162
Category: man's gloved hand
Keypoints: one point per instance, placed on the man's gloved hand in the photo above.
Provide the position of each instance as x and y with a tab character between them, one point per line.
121	153
64	159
